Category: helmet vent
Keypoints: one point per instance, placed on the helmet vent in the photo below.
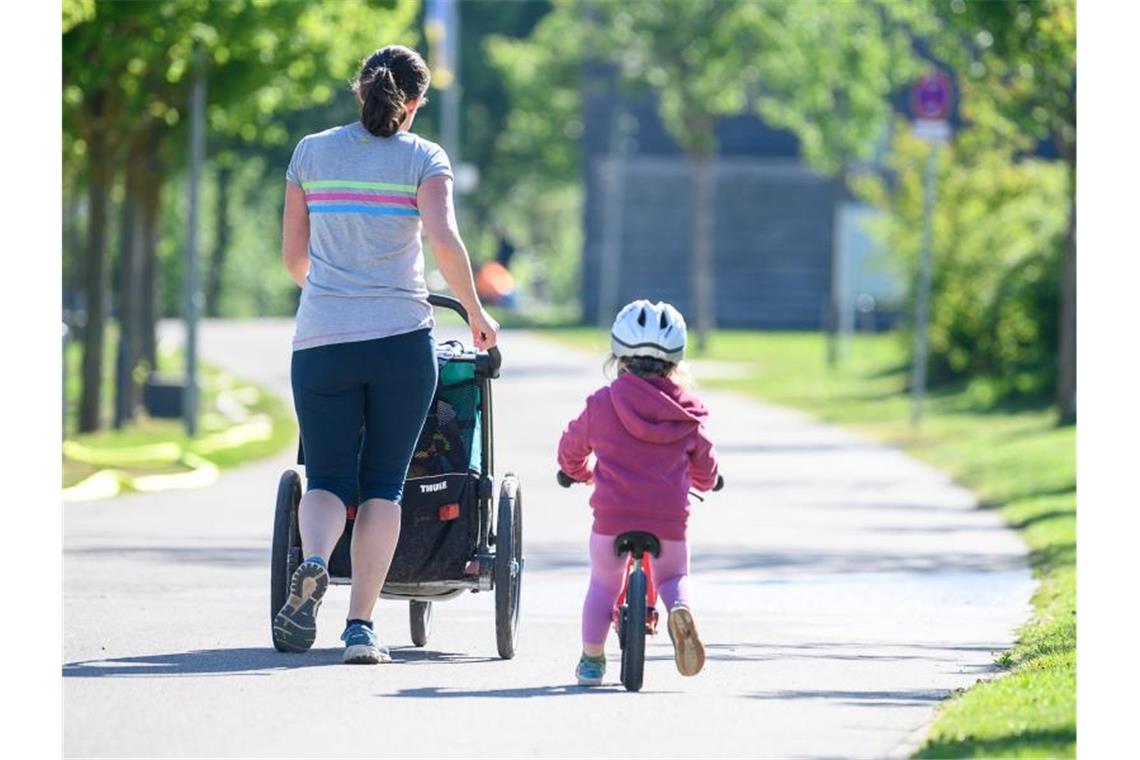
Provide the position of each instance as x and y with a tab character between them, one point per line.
664	324
641	318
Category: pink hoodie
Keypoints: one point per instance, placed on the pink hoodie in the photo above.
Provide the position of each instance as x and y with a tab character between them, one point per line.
650	445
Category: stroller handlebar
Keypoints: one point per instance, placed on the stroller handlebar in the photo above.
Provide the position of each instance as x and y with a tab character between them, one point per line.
439	300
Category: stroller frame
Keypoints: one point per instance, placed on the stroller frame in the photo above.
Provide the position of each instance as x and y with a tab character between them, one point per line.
496	564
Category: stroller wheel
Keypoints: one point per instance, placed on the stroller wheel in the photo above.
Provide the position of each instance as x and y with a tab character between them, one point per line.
286	554
508	566
419	614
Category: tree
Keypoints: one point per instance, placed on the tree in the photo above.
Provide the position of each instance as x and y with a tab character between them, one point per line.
826	72
1018	66
690	53
126	79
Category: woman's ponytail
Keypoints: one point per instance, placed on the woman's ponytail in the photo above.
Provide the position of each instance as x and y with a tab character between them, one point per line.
385	106
388	79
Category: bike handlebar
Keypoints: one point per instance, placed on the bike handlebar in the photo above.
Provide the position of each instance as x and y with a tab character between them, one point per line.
566	481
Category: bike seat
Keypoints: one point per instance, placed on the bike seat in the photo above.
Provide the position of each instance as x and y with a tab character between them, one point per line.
637	542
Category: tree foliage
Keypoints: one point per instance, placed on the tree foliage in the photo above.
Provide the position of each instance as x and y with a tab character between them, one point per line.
127	68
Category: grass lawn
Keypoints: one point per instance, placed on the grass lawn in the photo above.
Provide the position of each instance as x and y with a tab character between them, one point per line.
1014	457
229	407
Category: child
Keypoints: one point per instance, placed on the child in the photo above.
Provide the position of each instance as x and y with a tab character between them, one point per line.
650	446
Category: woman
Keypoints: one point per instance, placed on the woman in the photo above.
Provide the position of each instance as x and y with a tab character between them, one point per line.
363	352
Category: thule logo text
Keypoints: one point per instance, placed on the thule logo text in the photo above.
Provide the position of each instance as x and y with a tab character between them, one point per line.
433	487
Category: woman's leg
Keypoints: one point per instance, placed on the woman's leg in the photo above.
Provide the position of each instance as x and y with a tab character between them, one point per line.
329	402
607	570
330	408
402	379
374	535
671	572
320	520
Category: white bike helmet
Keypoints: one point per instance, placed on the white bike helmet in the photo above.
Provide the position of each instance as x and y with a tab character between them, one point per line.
649	329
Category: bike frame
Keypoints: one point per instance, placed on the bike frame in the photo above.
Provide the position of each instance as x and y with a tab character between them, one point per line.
651	594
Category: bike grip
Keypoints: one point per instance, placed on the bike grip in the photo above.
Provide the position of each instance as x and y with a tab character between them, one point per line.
496	358
565	480
719	483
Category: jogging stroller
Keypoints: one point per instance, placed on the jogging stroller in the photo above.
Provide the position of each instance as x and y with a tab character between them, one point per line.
446	544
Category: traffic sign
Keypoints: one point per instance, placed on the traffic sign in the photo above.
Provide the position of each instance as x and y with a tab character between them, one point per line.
931	100
932	97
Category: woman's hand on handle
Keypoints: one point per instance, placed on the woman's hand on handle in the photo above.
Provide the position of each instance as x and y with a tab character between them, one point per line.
484	329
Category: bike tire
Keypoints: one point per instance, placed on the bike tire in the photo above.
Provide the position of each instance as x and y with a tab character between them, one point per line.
633	654
286	552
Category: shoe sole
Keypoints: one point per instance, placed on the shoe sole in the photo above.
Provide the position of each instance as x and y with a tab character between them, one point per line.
363	654
589	681
295	625
688	652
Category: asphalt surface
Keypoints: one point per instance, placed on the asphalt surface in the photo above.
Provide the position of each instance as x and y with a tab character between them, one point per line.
842	591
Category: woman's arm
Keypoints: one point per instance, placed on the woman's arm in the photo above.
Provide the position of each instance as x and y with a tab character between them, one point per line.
295	234
442	232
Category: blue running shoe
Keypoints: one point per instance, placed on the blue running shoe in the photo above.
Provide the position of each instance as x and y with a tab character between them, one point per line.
590	670
295	625
361	647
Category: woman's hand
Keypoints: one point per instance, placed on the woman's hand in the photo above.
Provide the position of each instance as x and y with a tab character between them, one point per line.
484	328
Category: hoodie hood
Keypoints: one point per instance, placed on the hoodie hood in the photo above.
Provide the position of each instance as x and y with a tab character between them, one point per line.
655	410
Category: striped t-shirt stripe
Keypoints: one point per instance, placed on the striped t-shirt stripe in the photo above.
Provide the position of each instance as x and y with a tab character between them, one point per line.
341	208
338	183
352	196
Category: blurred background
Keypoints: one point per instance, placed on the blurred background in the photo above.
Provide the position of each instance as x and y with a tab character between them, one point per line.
756	164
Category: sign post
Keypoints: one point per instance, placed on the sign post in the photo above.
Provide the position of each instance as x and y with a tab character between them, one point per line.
193	298
931	99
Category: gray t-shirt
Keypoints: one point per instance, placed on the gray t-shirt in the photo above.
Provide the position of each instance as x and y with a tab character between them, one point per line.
366	261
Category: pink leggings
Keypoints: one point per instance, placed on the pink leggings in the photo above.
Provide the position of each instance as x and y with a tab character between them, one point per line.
607	570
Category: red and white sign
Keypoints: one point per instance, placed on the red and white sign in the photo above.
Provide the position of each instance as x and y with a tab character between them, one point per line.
931	100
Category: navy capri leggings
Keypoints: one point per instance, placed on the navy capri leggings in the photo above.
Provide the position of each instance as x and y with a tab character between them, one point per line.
384	386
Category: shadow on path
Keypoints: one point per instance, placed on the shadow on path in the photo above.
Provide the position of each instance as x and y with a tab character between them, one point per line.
562	690
859	698
252	661
548	559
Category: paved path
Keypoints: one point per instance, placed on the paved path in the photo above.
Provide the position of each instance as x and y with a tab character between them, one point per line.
842	590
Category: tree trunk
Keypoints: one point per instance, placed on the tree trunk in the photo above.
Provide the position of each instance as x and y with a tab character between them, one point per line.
123	300
95	279
130	284
216	275
1066	397
703	225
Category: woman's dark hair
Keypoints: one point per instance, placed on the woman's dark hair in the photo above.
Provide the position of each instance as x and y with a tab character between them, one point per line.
388	79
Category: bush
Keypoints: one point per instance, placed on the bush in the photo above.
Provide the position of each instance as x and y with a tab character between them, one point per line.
999	226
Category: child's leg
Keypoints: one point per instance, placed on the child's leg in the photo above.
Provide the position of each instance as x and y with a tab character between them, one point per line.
606	573
671	571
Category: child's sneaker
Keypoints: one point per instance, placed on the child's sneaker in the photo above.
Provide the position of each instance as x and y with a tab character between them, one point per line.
295	625
361	646
590	670
688	651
